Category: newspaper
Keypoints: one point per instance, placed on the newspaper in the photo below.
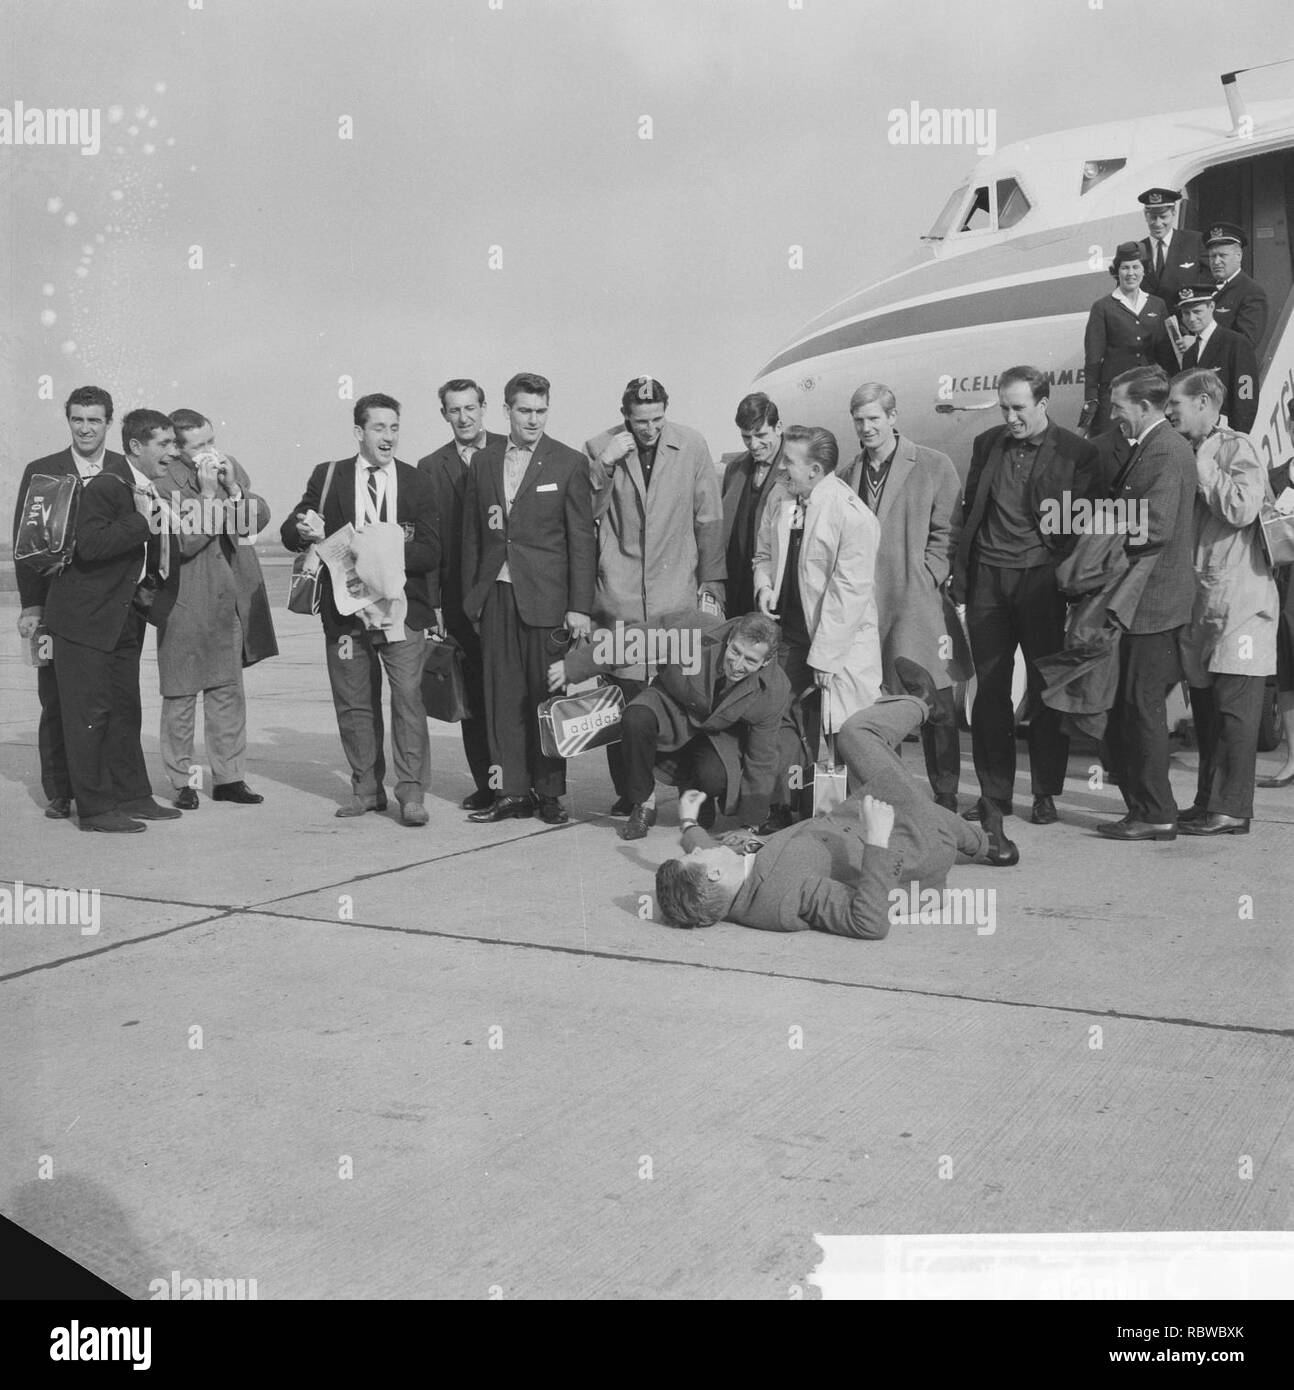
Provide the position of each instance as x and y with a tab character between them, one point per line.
349	592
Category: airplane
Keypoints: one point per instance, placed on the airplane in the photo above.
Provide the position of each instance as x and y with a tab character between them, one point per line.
1017	256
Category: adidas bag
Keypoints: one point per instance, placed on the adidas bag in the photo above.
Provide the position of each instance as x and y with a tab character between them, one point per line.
47	528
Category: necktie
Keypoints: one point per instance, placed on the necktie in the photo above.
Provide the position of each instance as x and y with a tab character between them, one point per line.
1159	260
1191	357
163	533
372	491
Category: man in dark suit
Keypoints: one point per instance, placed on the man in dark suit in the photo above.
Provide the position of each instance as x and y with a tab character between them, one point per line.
1217	349
1240	302
1157	484
1174	256
89	413
710	719
836	873
748	483
529	568
370	488
1004	571
126	562
462	404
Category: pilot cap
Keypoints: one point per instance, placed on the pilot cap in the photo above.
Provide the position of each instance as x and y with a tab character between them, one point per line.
1225	234
1195	294
1160	197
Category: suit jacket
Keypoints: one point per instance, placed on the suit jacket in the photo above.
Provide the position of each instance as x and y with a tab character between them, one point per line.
1185	264
1065	463
1160	473
1242	307
1231	355
742	726
920	522
197	648
414	511
657	544
445	471
90	601
837	576
33	587
548	540
739	540
1117	340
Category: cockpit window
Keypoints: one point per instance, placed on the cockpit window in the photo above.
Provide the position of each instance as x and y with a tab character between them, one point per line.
1097	171
1012	205
978	217
943	223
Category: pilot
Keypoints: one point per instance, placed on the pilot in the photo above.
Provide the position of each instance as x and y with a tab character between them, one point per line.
1228	355
1125	329
1240	302
1174	256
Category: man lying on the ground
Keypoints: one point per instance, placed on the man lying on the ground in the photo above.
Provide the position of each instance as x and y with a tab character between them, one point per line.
710	718
835	873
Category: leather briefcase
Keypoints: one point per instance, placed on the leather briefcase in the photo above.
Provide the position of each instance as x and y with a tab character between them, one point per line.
571	724
444	684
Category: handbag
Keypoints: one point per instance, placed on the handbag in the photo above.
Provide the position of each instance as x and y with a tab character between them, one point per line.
572	724
444	682
1276	532
46	531
303	586
826	785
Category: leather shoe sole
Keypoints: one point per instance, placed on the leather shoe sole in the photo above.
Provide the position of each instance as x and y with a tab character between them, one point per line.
1137	830
505	808
1220	825
112	823
238	792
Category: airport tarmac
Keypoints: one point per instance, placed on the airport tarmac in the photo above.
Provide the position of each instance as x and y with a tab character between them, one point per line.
350	1059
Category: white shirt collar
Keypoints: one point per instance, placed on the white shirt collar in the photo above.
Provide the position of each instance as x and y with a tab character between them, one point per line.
477	444
140	479
1136	304
1145	434
1204	335
86	467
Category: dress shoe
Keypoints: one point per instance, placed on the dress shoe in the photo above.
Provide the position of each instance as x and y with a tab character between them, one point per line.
779	817
1044	811
59	808
1138	830
413	813
356	807
976	812
1191	815
705	817
1275	781
186	799
621	806
551	811
111	823
948	800
1001	851
236	791
1215	823
641	819
478	801
148	809
504	808
916	680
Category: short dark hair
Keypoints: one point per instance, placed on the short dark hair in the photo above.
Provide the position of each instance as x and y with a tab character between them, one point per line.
1037	380
377	401
642	390
821	446
185	420
755	627
1146	384
1202	381
530	382
755	411
141	425
687	896
89	395
460	383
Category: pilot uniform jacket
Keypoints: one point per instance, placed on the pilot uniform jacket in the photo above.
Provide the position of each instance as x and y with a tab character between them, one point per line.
1242	307
33	587
742	516
1117	340
548	539
195	646
90	600
1064	464
919	519
1185	263
1160	473
742	727
837	577
658	542
445	470
1231	356
1233	623
414	512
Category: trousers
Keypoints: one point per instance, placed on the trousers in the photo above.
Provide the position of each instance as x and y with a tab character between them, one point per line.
1227	715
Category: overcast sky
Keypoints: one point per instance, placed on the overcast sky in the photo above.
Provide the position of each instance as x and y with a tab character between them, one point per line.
515	127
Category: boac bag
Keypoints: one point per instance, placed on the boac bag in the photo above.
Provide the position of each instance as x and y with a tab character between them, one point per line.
47	528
